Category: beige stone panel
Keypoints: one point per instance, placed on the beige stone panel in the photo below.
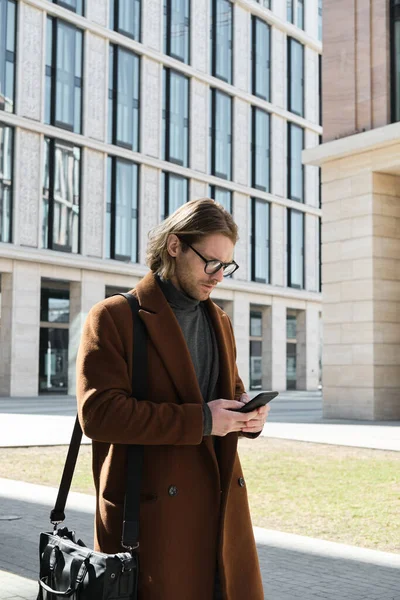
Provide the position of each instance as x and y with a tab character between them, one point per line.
387	354
241	204
278	244
357	333
348	208
334	232
362	354
361	226
241	325
387	376
386	312
200	36
278	66
357	290
387	405
388	227
386	184
386	247
274	346
348	402
199	102
363	43
387	290
337	354
363	268
338	313
60	272
308	336
363	311
198	189
386	333
331	213
120	281
387	268
311	173
331	252
386	205
337	271
349	187
152	17
149	206
332	292
332	334
356	248
348	375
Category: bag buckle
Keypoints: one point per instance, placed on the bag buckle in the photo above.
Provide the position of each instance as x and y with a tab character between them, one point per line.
130	548
55	525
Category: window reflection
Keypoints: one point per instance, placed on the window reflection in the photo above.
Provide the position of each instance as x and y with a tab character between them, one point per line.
296	169
74	5
7	54
6	161
261	241
177	29
222	196
221	134
296	249
175	192
260	149
123	98
176	118
261	58
221	39
296	76
61	196
124	17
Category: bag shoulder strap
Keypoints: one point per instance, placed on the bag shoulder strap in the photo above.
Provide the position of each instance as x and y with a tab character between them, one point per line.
130	531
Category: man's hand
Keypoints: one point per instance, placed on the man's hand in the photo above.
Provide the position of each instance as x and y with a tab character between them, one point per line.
257	423
226	419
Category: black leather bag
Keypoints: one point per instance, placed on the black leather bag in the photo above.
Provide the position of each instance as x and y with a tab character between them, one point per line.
69	569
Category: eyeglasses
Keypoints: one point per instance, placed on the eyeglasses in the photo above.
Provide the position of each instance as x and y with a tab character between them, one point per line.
213	266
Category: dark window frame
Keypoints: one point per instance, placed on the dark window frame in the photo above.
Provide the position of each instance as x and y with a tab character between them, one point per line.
214	44
289	160
320	255
394	77
253	241
55	21
9	57
168	32
213	128
113	212
254	184
289	250
167	97
291	41
113	96
254	22
51	245
11	189
115	25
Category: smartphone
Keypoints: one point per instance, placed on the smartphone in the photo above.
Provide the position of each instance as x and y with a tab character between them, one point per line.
260	400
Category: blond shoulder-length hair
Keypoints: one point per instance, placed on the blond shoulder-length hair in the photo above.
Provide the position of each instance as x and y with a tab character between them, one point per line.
191	222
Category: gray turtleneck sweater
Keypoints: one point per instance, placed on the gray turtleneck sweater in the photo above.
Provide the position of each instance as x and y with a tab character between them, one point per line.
199	334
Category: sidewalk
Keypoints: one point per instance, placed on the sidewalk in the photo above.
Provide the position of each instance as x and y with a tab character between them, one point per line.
293	567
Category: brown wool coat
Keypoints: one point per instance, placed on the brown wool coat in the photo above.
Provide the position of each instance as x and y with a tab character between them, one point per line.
182	535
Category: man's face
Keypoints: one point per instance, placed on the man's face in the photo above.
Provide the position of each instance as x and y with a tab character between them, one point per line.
190	277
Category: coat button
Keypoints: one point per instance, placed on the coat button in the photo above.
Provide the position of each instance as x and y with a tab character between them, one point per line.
241	482
172	490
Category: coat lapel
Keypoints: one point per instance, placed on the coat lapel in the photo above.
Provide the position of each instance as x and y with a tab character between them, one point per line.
166	335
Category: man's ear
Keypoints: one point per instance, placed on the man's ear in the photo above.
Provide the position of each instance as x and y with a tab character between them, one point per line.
173	244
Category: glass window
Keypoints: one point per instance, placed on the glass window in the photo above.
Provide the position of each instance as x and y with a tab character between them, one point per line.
261	50
395	46
255	364
296	249
123	98
296	77
222	196
74	5
54	305
221	134
61	196
320	254
295	165
290	10
255	324
260	158
125	17
291	327
265	3
6	172
291	366
260	241
122	210
320	20
176	118
300	14
7	54
222	39
63	75
176	192
177	29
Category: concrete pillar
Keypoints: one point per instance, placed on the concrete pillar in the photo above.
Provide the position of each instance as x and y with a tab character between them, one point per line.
361	291
241	325
307	348
241	141
241	215
150	207
241	48
83	295
19	332
199	103
274	346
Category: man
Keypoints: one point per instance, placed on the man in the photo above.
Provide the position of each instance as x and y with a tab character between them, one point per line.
196	537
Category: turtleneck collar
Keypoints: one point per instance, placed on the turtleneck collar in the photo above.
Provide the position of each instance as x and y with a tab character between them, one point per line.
176	299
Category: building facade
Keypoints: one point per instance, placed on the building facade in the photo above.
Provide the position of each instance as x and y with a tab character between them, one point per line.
360	164
112	114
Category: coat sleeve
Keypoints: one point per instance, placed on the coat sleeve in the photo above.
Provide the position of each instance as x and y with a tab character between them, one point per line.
107	411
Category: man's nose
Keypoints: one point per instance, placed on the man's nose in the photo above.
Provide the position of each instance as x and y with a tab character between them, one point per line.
219	275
